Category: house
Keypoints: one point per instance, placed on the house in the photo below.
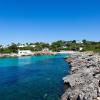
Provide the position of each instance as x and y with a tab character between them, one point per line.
79	41
80	49
4	46
64	47
21	46
24	52
46	51
33	46
24	45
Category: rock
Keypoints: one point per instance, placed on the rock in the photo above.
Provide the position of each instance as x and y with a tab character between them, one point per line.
84	80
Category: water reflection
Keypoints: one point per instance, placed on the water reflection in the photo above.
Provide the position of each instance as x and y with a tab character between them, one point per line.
24	60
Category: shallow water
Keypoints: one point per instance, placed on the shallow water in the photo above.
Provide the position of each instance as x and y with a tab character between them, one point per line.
32	78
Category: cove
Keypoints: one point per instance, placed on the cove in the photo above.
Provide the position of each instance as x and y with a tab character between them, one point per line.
32	78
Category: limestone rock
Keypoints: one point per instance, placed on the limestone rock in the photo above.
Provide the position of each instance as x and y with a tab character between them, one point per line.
84	79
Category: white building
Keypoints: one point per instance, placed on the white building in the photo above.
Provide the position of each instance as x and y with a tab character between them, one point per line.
80	49
46	51
33	46
21	46
64	47
79	41
24	52
4	46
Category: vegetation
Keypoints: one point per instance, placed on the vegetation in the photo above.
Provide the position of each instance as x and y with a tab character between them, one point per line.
55	46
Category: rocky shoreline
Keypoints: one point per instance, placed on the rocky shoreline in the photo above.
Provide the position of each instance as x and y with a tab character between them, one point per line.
16	55
83	83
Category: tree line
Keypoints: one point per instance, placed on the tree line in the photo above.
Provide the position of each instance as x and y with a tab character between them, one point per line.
54	46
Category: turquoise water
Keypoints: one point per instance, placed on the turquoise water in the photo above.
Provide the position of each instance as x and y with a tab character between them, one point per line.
32	78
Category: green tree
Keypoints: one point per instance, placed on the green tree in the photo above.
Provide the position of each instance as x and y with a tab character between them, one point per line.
84	41
13	48
1	46
58	45
40	45
74	41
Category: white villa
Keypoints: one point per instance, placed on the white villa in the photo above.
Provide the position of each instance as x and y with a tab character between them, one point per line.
46	51
4	46
81	48
22	46
33	46
79	41
24	52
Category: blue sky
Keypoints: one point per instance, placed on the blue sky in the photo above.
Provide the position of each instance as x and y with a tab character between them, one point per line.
49	20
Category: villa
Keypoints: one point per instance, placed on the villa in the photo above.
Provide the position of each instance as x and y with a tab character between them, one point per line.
81	48
23	45
66	52
46	51
33	46
79	41
24	52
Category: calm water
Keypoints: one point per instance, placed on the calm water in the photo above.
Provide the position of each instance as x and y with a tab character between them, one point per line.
32	78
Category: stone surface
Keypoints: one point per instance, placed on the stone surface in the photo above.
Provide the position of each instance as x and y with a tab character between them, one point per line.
84	78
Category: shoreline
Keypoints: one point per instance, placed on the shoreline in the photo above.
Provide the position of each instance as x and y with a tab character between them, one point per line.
40	53
16	55
83	83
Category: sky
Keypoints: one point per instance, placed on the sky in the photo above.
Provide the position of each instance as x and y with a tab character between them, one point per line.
49	20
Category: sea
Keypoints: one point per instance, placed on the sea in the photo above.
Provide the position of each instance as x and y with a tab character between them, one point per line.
33	77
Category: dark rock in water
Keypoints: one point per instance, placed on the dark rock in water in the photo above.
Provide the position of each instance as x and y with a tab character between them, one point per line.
68	98
67	85
99	83
78	98
84	98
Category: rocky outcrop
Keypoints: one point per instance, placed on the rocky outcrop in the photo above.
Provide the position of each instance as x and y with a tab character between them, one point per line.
83	83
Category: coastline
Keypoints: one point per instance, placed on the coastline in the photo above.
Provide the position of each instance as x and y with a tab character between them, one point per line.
16	55
83	83
38	53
